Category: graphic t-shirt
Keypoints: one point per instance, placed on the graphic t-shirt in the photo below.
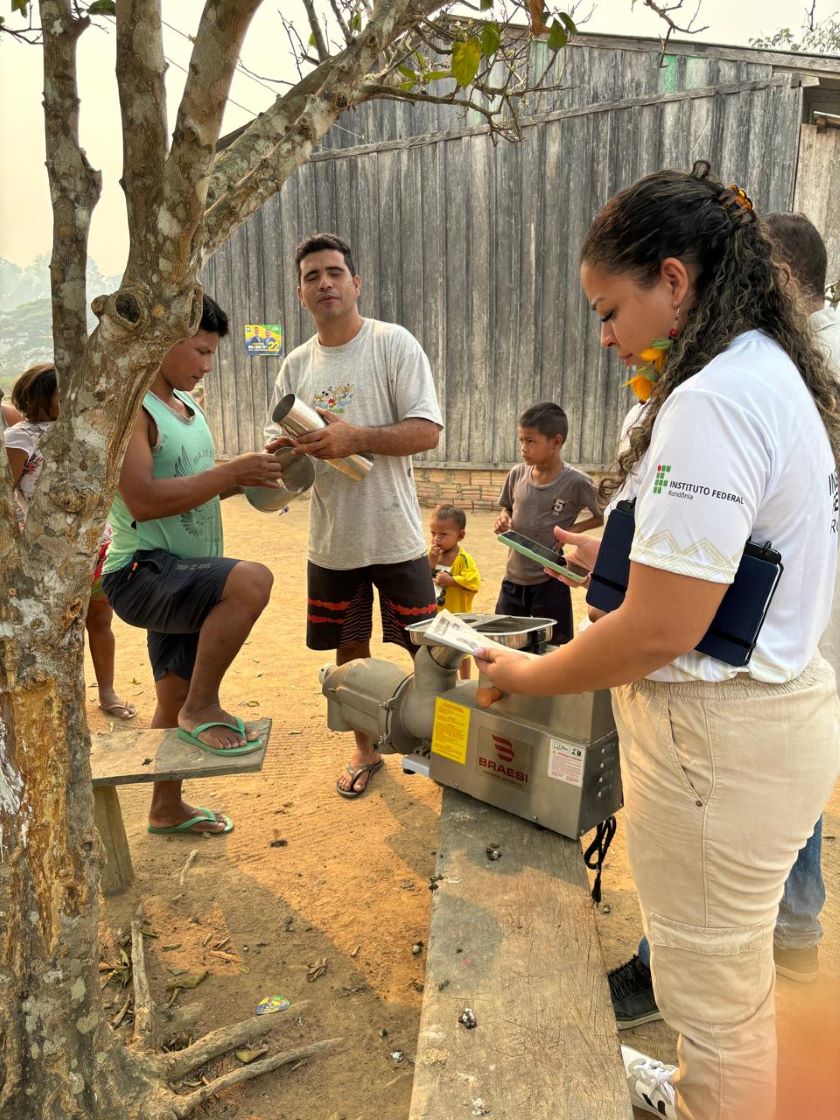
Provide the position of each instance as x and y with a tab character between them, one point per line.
184	447
739	452
536	509
26	436
380	377
458	597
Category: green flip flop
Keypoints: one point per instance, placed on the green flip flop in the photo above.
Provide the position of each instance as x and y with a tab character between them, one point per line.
187	826
238	726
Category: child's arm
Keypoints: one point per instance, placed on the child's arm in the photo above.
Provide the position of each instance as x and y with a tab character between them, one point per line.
17	461
589	523
503	521
588	499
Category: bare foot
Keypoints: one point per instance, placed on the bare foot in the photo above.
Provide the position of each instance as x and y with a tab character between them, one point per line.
358	784
184	812
222	738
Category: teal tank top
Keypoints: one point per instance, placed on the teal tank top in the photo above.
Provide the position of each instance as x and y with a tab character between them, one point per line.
185	447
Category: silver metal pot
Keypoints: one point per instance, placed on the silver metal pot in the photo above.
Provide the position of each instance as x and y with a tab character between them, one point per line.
297	477
296	419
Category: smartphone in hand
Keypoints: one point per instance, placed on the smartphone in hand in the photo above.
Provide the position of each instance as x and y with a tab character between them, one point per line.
545	557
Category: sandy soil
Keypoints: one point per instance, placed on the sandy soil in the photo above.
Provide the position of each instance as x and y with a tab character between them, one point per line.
321	900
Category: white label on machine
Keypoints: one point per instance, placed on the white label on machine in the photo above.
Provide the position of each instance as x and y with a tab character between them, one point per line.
565	763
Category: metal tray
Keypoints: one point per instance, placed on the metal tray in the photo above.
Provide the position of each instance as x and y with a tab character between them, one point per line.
508	630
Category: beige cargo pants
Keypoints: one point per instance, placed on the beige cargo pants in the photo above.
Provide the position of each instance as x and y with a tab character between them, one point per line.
722	785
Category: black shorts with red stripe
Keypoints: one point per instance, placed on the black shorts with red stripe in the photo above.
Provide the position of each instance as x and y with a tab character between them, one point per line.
339	610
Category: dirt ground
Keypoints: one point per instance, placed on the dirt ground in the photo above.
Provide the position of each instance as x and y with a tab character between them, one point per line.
321	900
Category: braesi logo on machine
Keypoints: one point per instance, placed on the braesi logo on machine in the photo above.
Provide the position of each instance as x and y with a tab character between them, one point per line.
503	758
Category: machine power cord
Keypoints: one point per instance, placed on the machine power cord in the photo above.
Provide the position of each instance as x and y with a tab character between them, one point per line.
596	853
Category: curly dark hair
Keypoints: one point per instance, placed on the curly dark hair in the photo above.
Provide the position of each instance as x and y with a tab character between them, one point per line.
738	287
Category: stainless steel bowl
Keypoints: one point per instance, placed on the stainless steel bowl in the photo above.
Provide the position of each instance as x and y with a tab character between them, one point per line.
297	477
508	630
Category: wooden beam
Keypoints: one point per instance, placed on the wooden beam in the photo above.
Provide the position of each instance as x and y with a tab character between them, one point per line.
514	940
785	81
125	756
117	872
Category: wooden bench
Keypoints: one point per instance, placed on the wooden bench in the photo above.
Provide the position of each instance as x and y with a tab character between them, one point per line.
126	756
515	941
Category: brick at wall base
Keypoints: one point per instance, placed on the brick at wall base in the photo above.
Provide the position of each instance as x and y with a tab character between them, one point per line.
459	486
464	487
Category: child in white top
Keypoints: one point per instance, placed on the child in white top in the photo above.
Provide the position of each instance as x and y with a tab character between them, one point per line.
36	395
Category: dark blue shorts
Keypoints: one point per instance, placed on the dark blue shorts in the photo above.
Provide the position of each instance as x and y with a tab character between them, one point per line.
170	598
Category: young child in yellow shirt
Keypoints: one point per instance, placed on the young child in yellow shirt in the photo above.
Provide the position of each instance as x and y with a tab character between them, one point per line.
453	569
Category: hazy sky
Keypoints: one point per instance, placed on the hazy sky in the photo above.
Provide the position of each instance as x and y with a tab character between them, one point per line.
25	217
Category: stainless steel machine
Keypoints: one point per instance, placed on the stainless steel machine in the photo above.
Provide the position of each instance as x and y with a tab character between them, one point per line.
552	760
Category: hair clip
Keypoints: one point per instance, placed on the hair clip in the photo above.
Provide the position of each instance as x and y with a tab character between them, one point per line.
741	197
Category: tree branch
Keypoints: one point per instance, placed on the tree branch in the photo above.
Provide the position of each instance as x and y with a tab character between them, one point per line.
317	33
279	141
182	1106
218	42
74	185
141	67
342	22
144	1008
178	1064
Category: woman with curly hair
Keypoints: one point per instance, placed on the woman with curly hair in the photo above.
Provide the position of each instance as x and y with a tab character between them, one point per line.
737	442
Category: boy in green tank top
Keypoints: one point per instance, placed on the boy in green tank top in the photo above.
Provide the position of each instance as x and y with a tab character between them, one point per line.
165	570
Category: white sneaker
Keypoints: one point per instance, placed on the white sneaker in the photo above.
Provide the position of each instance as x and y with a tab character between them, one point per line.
651	1083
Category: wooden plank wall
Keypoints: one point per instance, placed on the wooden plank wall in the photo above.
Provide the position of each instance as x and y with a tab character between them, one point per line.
473	244
818	188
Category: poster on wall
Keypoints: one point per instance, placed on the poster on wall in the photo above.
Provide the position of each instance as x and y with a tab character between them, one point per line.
263	340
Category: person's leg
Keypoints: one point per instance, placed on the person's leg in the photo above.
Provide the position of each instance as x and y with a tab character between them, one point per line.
102	648
707	773
168	807
798	930
339	616
245	596
511	599
553	599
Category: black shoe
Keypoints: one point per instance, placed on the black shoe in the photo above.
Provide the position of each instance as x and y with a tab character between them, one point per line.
801	965
631	989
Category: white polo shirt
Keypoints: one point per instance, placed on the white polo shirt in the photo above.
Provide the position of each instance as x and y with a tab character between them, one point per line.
739	452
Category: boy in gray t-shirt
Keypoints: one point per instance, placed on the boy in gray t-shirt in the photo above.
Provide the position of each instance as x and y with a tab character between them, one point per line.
540	493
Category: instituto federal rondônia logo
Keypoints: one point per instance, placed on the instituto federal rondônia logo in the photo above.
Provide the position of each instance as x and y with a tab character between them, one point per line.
660	483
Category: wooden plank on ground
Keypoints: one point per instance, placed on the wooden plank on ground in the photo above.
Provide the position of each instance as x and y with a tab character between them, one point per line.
514	940
126	755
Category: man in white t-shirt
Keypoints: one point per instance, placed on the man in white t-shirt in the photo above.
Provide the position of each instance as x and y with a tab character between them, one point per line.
373	384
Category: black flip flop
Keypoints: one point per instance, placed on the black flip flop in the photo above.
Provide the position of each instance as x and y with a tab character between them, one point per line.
354	772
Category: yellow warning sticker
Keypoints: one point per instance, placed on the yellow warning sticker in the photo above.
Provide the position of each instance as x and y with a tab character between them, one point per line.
451	731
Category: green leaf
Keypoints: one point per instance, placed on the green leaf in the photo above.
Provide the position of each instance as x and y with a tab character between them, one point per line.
486	5
558	37
355	22
491	39
569	23
466	59
20	6
436	75
409	83
407	72
102	8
